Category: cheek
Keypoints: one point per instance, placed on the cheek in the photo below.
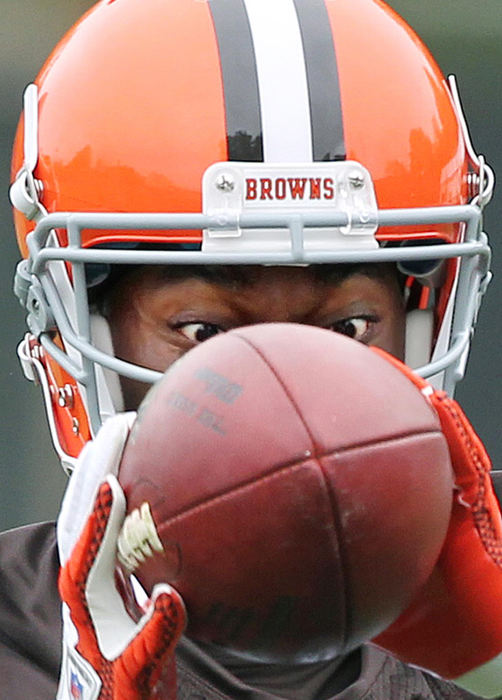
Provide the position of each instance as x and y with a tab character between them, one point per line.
137	341
393	332
393	341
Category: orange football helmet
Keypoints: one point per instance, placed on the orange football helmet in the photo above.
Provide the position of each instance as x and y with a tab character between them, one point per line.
245	132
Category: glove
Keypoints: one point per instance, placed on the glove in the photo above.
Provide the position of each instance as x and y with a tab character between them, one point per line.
454	627
107	652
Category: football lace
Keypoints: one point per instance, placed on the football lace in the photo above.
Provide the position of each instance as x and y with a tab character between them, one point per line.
138	538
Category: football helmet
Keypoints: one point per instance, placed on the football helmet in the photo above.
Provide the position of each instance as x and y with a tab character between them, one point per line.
245	132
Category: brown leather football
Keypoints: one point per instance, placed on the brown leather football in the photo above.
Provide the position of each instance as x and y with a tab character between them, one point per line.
300	485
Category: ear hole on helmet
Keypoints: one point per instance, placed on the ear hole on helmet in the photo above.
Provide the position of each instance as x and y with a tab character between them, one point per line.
429	272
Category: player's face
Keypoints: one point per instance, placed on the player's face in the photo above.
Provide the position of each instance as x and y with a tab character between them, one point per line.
157	314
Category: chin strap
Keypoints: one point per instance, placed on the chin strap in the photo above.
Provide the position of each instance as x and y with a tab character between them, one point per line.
418	341
110	396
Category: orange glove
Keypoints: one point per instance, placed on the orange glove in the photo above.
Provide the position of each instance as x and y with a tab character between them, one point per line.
454	627
114	657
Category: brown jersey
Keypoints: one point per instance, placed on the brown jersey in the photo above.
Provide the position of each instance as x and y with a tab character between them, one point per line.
30	647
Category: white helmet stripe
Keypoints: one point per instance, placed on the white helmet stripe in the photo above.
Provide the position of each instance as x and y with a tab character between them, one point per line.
282	81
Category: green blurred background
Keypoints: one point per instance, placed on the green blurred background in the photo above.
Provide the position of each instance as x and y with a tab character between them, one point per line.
466	39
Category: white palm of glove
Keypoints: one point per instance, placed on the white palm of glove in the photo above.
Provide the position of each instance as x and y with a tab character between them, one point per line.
99	458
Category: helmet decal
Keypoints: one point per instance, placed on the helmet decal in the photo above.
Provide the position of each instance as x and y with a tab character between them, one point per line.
274	80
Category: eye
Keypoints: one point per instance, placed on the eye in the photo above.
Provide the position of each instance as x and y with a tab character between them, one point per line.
199	331
356	327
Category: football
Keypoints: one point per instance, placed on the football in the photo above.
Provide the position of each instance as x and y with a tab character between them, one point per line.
300	486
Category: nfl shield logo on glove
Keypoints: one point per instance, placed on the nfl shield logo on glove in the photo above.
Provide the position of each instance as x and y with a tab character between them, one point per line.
76	687
79	681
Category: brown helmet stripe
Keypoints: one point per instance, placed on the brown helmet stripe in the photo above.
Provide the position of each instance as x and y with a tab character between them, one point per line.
240	81
322	77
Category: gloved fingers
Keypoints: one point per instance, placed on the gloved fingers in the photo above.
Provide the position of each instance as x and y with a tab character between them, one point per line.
167	622
74	574
87	582
470	461
150	654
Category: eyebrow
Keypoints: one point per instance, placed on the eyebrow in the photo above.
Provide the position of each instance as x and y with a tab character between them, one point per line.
241	275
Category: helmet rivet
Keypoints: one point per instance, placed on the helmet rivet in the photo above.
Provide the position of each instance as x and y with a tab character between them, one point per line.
75	426
65	396
225	182
356	180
